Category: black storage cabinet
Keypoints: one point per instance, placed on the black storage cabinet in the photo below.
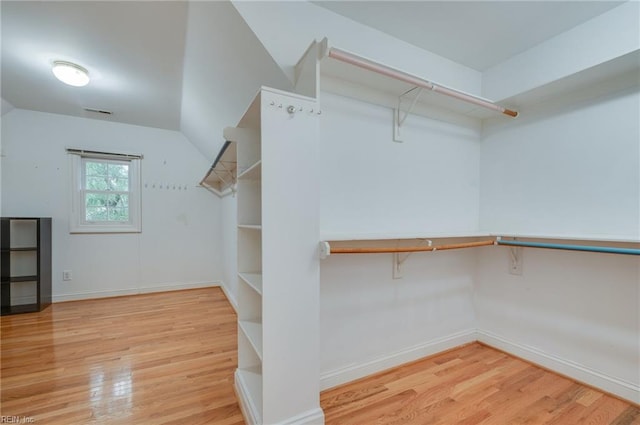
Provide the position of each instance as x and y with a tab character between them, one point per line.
25	263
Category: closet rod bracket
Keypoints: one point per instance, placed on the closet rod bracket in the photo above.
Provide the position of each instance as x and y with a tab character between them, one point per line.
398	260
325	250
515	260
397	271
399	118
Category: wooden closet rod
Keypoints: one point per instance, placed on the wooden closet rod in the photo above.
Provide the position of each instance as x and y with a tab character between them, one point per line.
361	62
380	250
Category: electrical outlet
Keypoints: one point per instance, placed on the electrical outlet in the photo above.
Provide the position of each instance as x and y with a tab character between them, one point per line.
66	275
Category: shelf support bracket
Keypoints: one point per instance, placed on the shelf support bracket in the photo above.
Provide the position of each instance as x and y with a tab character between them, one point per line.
399	118
398	261
515	260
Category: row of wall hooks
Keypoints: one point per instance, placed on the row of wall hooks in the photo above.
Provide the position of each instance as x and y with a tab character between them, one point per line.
292	109
165	186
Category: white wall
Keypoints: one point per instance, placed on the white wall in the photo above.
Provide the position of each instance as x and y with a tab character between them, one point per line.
179	246
576	313
428	184
570	171
372	185
229	210
575	171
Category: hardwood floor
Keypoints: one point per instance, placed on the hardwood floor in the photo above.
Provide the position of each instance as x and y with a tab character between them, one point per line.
163	358
169	358
472	385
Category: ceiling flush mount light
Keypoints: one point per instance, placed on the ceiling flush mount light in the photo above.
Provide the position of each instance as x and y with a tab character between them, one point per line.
70	73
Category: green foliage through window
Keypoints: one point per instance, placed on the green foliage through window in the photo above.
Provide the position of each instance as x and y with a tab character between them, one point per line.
106	185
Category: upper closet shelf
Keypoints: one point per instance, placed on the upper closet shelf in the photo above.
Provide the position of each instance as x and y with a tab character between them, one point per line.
447	242
346	73
612	76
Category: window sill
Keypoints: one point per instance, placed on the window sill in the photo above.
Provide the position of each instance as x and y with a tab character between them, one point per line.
97	228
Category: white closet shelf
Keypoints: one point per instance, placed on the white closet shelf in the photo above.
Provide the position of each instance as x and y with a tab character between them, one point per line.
426	244
250	380
607	77
336	237
253	331
254	280
254	172
336	70
250	226
329	68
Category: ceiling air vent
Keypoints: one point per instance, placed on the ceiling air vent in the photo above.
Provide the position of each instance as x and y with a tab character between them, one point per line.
98	111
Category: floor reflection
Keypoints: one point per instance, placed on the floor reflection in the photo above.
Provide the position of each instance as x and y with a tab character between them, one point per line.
111	392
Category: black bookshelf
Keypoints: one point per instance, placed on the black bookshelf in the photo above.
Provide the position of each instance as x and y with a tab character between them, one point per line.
25	262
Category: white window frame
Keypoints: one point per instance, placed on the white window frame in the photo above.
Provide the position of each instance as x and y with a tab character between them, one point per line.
78	222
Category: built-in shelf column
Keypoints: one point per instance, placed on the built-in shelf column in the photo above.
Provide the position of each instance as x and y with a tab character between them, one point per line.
278	267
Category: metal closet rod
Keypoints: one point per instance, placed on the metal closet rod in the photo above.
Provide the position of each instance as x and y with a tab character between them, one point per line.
361	62
602	249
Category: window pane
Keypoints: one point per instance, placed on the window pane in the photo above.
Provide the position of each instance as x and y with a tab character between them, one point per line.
121	185
96	214
95	168
96	200
118	214
97	183
116	200
119	171
107	207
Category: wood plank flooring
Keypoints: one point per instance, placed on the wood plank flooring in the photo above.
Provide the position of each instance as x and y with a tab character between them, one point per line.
472	385
169	358
163	358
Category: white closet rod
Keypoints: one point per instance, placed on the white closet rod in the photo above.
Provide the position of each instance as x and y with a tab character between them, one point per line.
361	62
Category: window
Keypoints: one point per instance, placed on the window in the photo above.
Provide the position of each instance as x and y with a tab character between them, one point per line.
106	192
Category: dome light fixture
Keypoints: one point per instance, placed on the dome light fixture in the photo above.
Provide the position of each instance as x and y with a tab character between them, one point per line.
70	73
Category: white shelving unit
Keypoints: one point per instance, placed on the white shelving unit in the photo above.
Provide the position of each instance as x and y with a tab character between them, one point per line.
278	269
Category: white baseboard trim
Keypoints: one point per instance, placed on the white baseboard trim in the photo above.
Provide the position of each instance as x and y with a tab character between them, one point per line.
350	373
623	389
249	410
230	297
253	416
133	291
310	417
